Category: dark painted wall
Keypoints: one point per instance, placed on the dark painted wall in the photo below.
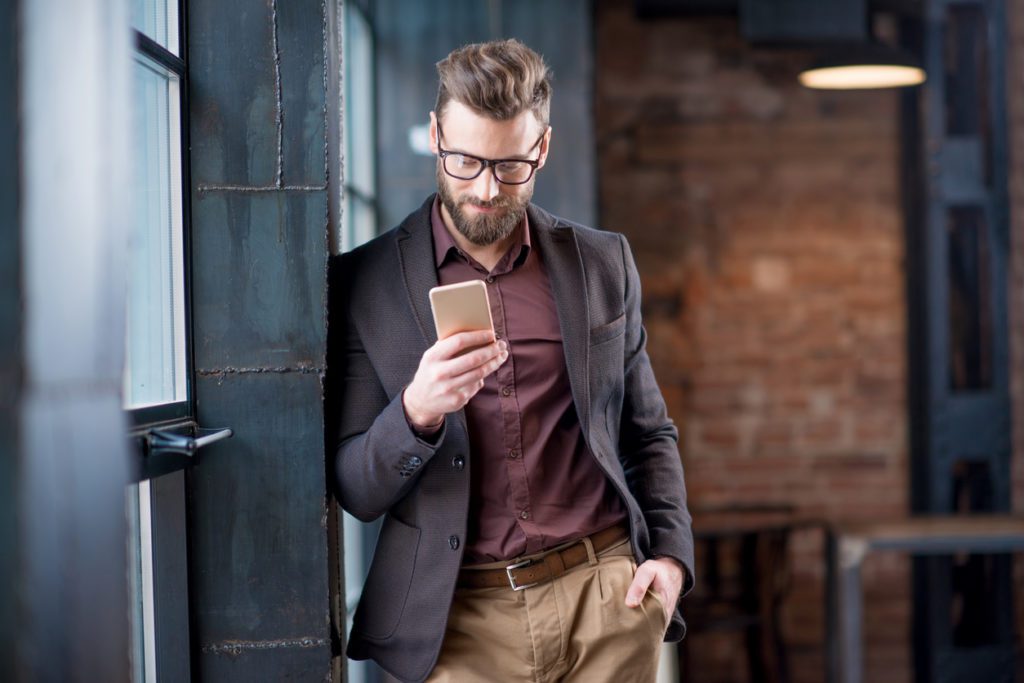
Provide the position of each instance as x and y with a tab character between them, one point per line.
412	36
258	502
63	455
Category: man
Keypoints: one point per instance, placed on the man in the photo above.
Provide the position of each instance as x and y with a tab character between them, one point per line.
535	523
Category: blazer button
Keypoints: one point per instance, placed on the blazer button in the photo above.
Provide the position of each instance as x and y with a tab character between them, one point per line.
458	463
453	541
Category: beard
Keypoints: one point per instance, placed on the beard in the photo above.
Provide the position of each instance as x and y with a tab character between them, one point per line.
484	229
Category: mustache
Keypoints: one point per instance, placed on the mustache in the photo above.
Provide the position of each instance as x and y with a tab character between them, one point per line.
499	202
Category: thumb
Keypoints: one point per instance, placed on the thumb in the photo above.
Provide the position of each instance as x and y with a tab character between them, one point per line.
638	588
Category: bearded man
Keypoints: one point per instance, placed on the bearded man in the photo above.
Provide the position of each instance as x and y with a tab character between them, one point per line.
535	522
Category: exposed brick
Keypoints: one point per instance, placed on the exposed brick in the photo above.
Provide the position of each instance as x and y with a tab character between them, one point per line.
767	225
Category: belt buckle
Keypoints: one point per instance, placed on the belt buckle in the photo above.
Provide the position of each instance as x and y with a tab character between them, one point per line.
512	580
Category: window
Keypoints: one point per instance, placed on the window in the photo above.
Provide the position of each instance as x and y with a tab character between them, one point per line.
157	382
360	181
155	349
156	369
359	225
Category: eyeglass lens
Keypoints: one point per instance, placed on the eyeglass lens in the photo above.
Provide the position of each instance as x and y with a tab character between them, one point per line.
467	167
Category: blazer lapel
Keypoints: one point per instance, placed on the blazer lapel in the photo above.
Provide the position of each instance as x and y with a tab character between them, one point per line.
564	265
416	259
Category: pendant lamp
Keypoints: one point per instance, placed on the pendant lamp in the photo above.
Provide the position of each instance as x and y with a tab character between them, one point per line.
864	66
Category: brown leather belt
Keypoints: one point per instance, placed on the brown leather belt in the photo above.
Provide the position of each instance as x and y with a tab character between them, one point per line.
520	575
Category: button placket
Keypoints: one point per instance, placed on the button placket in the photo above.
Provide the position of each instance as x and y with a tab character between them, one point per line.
519	491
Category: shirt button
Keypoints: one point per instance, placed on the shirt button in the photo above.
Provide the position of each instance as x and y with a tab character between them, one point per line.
513	454
453	541
490	279
524	514
458	463
506	391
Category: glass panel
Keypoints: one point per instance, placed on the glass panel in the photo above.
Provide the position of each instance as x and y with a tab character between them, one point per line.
974	608
360	222
140	582
359	539
135	618
158	19
965	53
970	300
360	132
155	358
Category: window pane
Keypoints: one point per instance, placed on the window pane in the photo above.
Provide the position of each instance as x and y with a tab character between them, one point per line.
140	581
359	105
970	300
155	359
158	19
965	57
360	222
974	609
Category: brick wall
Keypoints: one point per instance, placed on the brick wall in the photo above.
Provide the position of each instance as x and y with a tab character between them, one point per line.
766	223
1015	102
1015	118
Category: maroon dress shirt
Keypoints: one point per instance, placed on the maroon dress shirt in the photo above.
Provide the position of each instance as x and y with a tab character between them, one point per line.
535	483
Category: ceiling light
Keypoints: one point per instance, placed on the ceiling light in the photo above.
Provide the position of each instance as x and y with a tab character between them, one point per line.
867	66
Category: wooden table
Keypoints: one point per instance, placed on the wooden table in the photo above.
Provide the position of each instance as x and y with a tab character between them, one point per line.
849	544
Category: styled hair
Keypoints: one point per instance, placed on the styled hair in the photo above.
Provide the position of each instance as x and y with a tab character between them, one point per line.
499	79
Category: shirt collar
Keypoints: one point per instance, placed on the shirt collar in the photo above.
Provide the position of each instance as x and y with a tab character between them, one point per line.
444	243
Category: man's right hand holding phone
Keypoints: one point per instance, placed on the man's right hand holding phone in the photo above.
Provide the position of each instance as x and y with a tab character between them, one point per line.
445	381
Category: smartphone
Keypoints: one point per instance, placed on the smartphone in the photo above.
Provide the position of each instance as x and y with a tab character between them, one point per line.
461	307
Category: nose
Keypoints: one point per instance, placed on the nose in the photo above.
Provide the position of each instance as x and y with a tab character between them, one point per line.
486	186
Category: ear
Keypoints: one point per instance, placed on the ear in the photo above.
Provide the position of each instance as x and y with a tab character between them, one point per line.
433	133
545	146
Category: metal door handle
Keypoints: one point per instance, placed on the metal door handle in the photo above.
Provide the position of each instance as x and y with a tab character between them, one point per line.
159	442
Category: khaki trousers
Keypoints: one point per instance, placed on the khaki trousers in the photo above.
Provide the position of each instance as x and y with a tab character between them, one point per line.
574	628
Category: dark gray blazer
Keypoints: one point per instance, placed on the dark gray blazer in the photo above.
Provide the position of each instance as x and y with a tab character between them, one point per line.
379	327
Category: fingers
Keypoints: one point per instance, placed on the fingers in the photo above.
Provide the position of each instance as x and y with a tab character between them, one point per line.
450	347
641	582
485	360
446	381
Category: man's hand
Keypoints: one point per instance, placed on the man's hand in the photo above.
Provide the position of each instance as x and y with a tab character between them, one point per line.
663	575
444	383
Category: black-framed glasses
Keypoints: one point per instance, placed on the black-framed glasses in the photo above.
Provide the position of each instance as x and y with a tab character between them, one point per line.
467	167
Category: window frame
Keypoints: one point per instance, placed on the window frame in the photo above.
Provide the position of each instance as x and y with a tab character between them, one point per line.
163	637
173	416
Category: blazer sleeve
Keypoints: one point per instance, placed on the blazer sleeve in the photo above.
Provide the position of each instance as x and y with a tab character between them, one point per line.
648	447
377	457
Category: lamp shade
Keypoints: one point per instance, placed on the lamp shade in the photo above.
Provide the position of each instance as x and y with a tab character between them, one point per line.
864	66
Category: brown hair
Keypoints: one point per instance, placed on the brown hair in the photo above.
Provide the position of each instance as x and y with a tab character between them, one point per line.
499	79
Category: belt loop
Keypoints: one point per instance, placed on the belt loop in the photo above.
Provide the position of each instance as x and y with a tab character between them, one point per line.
591	555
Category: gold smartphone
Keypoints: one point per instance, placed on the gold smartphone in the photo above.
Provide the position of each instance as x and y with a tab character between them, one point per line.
461	307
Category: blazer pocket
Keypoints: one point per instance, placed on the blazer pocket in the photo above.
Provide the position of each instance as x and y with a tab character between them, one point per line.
603	333
389	579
